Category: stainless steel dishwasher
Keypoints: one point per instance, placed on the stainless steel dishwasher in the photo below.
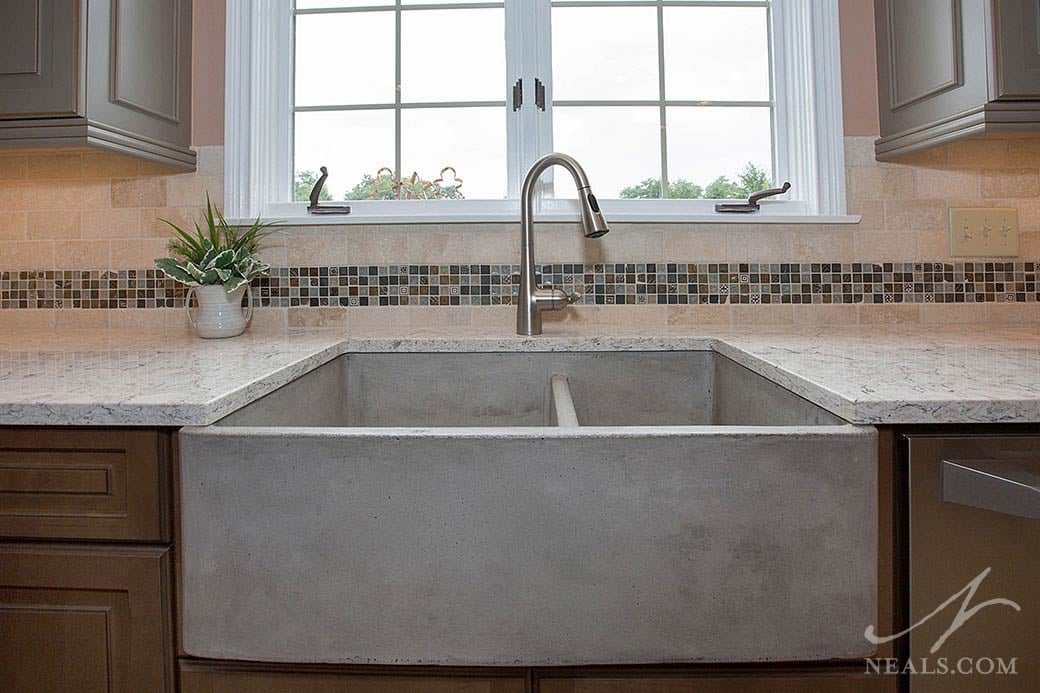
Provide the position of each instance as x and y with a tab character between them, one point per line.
974	506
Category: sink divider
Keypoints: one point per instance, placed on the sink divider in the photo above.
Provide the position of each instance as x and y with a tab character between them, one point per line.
562	402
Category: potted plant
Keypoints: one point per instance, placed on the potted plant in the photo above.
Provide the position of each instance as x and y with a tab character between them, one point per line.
218	264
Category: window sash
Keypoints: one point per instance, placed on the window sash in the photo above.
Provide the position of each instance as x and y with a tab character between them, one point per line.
805	71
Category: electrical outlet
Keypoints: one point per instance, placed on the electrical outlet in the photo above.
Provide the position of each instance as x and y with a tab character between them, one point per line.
984	232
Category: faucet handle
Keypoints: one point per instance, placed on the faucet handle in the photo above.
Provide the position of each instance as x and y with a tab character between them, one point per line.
573	297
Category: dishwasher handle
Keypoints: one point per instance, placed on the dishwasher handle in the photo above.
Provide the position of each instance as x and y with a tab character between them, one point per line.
997	485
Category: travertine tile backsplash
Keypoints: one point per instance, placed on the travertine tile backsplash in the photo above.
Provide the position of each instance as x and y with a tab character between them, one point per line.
95	211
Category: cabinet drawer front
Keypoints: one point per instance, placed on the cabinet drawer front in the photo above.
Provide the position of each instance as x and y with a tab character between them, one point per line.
83	484
79	618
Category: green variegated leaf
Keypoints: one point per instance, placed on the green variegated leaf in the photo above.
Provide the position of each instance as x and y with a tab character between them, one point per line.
235	282
195	272
210	276
170	267
223	259
224	274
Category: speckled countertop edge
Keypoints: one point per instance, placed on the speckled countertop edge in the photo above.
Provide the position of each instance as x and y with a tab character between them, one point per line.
905	375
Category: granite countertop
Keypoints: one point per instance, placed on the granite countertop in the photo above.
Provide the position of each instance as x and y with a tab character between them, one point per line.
866	375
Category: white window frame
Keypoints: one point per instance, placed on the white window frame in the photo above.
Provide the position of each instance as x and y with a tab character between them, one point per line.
807	109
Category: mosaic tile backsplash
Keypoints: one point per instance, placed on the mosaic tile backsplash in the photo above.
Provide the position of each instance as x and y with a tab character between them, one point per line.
600	284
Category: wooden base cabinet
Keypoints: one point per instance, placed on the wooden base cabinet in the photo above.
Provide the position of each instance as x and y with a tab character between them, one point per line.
84	618
216	678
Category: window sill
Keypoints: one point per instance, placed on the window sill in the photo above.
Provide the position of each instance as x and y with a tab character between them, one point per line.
509	212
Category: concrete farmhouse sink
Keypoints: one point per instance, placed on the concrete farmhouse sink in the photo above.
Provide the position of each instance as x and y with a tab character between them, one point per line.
529	509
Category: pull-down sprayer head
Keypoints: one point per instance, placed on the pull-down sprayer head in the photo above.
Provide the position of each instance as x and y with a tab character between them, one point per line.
593	225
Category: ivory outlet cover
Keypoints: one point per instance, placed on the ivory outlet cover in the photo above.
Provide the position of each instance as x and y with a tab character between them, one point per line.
984	232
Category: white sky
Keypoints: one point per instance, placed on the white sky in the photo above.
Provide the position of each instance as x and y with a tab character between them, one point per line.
599	53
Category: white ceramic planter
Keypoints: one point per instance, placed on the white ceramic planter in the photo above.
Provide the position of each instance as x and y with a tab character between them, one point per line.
220	314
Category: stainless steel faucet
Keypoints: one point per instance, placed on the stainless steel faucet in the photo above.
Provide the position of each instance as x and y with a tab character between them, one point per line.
532	300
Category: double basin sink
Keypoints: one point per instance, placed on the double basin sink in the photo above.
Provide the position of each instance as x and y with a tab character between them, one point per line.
529	509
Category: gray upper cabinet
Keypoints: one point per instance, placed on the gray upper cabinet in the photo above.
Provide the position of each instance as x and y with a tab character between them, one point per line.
950	69
114	74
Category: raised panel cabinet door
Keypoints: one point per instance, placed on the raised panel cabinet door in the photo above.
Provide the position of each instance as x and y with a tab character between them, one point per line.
765	682
931	61
85	619
139	68
1017	54
38	58
108	484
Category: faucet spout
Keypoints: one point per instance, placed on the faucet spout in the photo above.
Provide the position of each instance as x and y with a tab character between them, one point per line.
533	300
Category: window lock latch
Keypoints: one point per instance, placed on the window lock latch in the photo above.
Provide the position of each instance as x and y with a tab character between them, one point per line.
316	207
752	204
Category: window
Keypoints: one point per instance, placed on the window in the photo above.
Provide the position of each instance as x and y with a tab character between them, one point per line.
433	110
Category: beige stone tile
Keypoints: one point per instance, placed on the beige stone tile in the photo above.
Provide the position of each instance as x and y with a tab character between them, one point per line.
62	165
188	190
1019	182
93	254
952	313
770	314
877	182
13	167
469	243
60	194
265	318
153	226
108	165
210	161
871	211
1029	246
825	314
859	151
888	313
701	314
139	192
646	316
915	215
317	250
1023	152
273	251
12	226
765	242
27	254
1013	313
26	319
977	153
946	183
374	247
140	318
498	317
111	223
54	224
884	246
816	243
80	318
14	195
136	253
439	316
933	245
1028	214
630	243
695	243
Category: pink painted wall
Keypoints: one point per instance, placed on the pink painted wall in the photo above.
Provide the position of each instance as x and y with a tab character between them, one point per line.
858	69
207	74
